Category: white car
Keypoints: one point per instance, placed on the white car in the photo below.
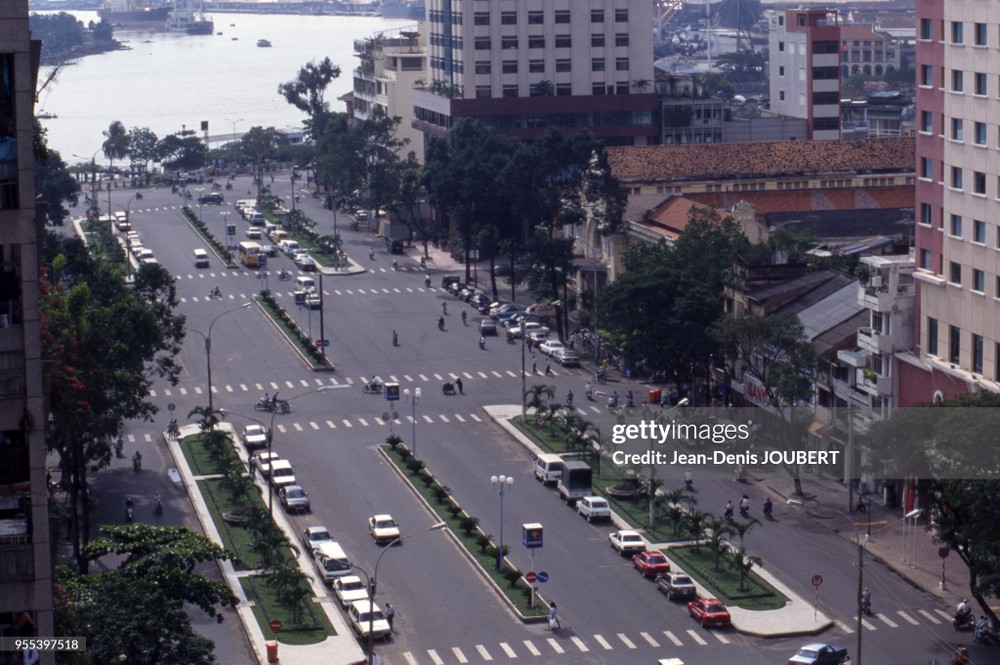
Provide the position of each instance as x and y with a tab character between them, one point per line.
254	436
383	528
593	508
367	618
627	541
262	462
314	536
349	589
539	336
550	346
566	357
254	233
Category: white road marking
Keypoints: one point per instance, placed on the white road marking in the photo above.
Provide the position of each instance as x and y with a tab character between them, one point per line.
579	644
719	636
393	378
319	382
364	423
603	642
459	418
409	379
696	637
329	423
439	377
444	418
469	376
229	389
386	291
347	423
947	617
435	657
148	437
513	374
197	390
243	387
289	384
428	420
594	409
423	377
298	427
350	381
907	617
152	393
334	381
312	423
458	654
167	392
887	621
532	648
475	417
649	638
626	641
281	428
483	653
868	625
494	372
507	650
275	386
927	615
843	626
395	290
555	645
410	660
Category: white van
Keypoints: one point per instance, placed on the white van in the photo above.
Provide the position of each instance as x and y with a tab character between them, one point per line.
256	217
331	561
281	473
200	258
286	246
305	283
548	468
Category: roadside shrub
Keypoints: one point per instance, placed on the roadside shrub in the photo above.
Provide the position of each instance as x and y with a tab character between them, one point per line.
468	524
484	541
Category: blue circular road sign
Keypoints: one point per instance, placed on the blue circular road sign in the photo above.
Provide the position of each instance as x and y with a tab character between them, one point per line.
543	577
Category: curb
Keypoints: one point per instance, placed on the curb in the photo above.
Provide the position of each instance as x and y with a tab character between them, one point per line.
295	347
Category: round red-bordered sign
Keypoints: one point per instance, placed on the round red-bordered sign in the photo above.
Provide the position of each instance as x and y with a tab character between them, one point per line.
531	577
817	580
275	626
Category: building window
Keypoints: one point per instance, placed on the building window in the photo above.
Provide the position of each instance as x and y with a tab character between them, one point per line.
955	272
597	40
483	67
564	41
979	231
956	177
979	182
926	29
622	88
926	259
597	16
925	213
564	89
956	32
981	38
536	18
954	345
621	16
977	354
510	91
564	66
483	44
562	16
980	133
926	168
956	226
781	95
932	336
980	81
621	39
481	18
483	92
978	280
597	65
927	122
508	18
621	64
536	42
536	66
598	89
781	47
509	67
926	75
957	80
956	129
508	42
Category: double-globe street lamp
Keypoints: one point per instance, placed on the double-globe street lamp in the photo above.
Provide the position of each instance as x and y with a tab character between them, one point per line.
208	347
93	181
373	584
502	485
413	399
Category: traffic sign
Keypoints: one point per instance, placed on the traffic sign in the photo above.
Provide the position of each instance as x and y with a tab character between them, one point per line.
531	535
817	580
543	577
318	343
530	577
392	392
943	552
275	625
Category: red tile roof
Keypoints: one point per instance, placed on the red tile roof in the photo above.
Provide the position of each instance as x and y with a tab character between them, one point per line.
672	214
730	161
765	203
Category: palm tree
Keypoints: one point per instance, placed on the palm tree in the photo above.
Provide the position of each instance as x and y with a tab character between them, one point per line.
719	529
740	559
115	144
214	439
695	525
538	396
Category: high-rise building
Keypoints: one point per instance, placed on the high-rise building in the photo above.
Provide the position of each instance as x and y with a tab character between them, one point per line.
804	49
25	542
957	317
523	65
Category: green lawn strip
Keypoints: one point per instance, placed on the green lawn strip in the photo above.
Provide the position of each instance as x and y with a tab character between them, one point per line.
541	436
235	537
287	325
314	625
198	458
520	595
758	595
202	230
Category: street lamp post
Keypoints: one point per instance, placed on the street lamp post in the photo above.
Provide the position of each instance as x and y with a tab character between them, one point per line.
502	485
208	348
233	142
373	585
413	400
93	181
200	191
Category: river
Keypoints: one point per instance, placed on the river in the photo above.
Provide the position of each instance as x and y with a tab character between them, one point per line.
169	81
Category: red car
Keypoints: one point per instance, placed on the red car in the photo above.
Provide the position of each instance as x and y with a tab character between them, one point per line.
651	563
709	612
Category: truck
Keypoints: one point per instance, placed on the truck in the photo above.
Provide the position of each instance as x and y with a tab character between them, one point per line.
575	482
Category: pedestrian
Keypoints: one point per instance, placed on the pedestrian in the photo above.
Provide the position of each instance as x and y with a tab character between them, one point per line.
553	619
548	368
530	343
458	384
390	614
534	365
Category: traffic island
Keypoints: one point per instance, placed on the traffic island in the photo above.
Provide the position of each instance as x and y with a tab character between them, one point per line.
300	341
199	226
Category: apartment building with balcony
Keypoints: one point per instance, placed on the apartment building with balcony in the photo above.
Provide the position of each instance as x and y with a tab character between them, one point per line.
524	65
957	315
25	541
804	46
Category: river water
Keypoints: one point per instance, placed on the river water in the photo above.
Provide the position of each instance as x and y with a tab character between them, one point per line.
169	81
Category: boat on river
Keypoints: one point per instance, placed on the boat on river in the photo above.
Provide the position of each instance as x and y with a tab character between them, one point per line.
263	43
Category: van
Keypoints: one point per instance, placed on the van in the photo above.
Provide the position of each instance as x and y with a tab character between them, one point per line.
548	468
277	235
243	204
305	283
331	561
286	246
212	198
256	218
281	473
200	258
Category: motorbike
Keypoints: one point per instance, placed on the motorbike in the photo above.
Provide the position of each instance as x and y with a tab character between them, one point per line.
866	608
440	323
284	275
373	387
395	338
157	505
768	509
137	462
589	392
119	446
229	185
448	388
129	510
138	196
427	282
482	343
371	254
271	405
395	264
962	622
744	512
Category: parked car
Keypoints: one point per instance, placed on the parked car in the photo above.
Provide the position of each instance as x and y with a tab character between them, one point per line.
305	263
651	563
261	462
712	612
819	654
626	541
500	310
593	508
676	585
254	233
487	327
350	589
566	357
314	536
313	301
383	528
212	197
366	618
454	288
294	499
281	473
549	346
254	436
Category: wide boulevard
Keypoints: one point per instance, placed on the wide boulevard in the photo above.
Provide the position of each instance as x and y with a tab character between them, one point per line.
445	611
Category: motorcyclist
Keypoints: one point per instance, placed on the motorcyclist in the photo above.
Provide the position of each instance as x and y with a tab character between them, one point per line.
569	398
982	630
688	480
629	399
444	308
745	506
137	460
371	253
129	508
961	656
613	400
395	264
440	323
463	318
728	512
548	368
866	601
482	342
284	274
423	264
395	338
768	507
265	401
427	281
157	504
963	610
588	390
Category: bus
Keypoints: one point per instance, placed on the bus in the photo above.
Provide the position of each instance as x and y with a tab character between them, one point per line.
251	255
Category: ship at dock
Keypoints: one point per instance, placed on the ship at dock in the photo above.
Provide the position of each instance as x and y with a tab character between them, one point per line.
148	13
185	17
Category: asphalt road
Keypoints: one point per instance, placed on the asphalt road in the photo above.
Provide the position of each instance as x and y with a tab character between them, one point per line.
445	612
